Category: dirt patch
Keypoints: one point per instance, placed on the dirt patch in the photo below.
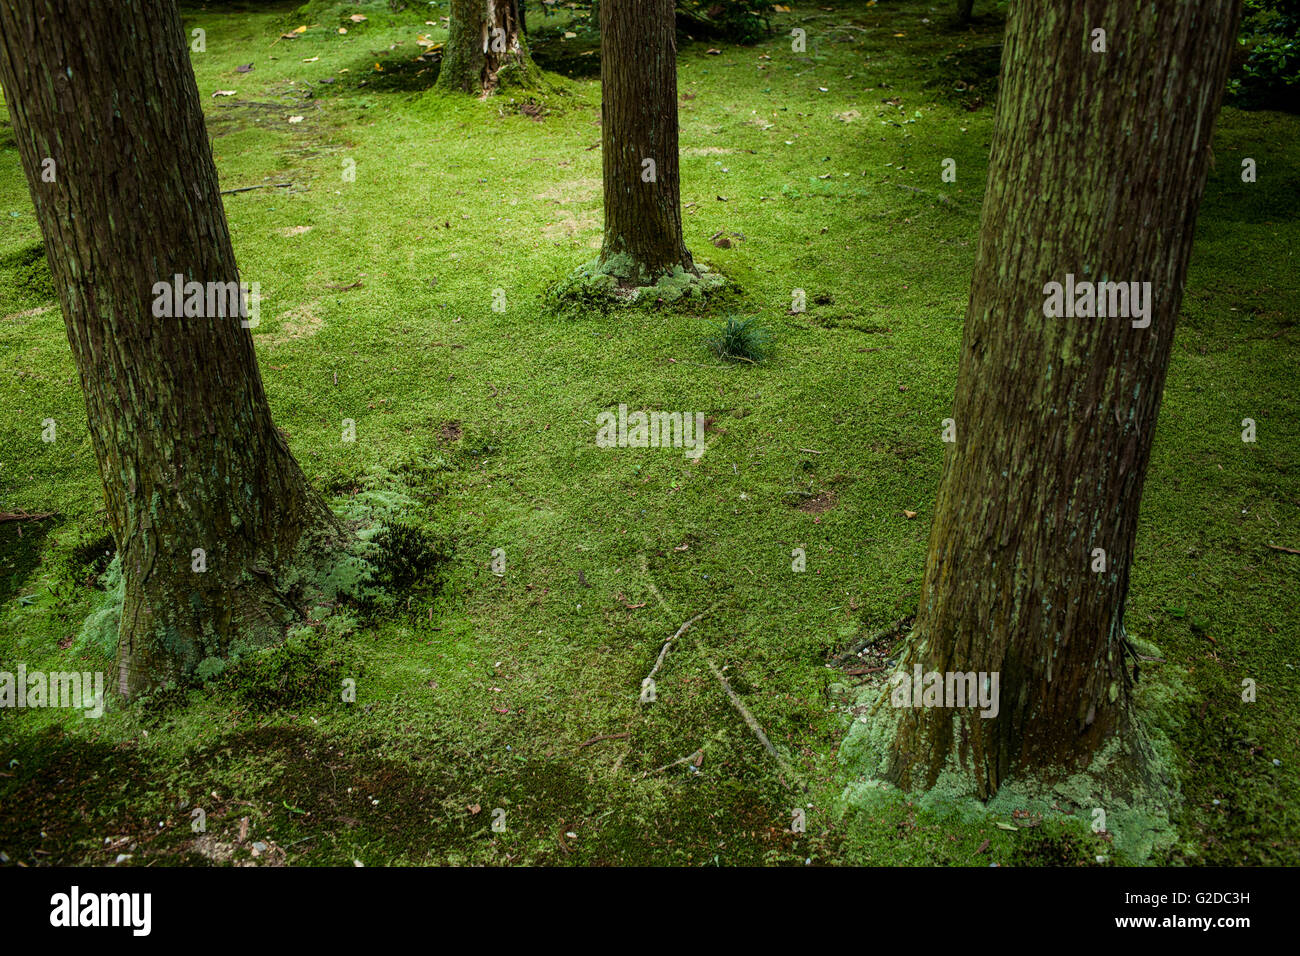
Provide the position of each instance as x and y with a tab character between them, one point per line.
571	191
450	431
29	313
294	231
819	504
301	322
570	226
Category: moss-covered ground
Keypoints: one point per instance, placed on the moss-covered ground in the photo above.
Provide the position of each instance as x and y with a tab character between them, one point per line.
408	216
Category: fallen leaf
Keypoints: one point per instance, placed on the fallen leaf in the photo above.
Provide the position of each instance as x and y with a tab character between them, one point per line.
311	59
357	17
713	52
568	35
224	93
301	29
246	68
295	119
909	514
343	29
473	808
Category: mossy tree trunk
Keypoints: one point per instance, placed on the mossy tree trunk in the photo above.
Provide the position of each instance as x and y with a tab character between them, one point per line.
104	95
1098	165
638	78
486	48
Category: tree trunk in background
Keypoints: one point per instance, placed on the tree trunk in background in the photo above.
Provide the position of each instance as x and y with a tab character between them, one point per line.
638	79
485	48
1098	165
964	9
178	418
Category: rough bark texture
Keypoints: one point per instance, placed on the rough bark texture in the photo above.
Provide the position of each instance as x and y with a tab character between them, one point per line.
485	48
1098	165
178	418
638	78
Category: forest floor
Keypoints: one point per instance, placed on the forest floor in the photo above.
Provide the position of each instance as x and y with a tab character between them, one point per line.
480	702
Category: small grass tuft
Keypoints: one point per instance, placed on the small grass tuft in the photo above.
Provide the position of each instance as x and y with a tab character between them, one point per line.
741	340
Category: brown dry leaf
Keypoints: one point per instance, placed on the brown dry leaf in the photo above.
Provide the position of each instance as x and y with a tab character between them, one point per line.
909	514
357	17
473	808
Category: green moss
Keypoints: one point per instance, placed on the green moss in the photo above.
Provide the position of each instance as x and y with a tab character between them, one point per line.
99	630
509	201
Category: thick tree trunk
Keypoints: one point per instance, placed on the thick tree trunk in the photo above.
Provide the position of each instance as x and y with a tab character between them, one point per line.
179	422
638	78
485	48
1098	165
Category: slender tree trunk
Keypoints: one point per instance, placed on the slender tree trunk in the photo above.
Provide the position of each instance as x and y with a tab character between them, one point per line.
485	48
638	78
1098	165
964	9
103	95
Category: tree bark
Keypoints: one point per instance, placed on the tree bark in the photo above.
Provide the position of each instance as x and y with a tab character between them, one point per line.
965	8
1098	165
178	418
485	48
638	78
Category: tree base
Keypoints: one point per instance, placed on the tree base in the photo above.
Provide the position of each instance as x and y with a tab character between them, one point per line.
1132	781
621	282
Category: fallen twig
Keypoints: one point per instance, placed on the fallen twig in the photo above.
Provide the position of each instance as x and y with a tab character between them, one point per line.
669	766
1278	547
596	740
870	639
750	720
24	516
245	189
663	652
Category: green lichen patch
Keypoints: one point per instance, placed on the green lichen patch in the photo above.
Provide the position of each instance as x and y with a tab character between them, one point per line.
1126	797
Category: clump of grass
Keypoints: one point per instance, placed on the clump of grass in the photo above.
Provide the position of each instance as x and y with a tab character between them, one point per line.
741	340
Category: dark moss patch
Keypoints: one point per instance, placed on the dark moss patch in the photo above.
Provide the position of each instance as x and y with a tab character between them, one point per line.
25	280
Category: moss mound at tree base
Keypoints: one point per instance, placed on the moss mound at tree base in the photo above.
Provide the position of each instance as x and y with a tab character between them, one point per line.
620	282
1127	794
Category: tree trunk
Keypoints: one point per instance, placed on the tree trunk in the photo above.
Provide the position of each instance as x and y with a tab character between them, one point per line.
964	9
1098	164
178	419
485	48
638	78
